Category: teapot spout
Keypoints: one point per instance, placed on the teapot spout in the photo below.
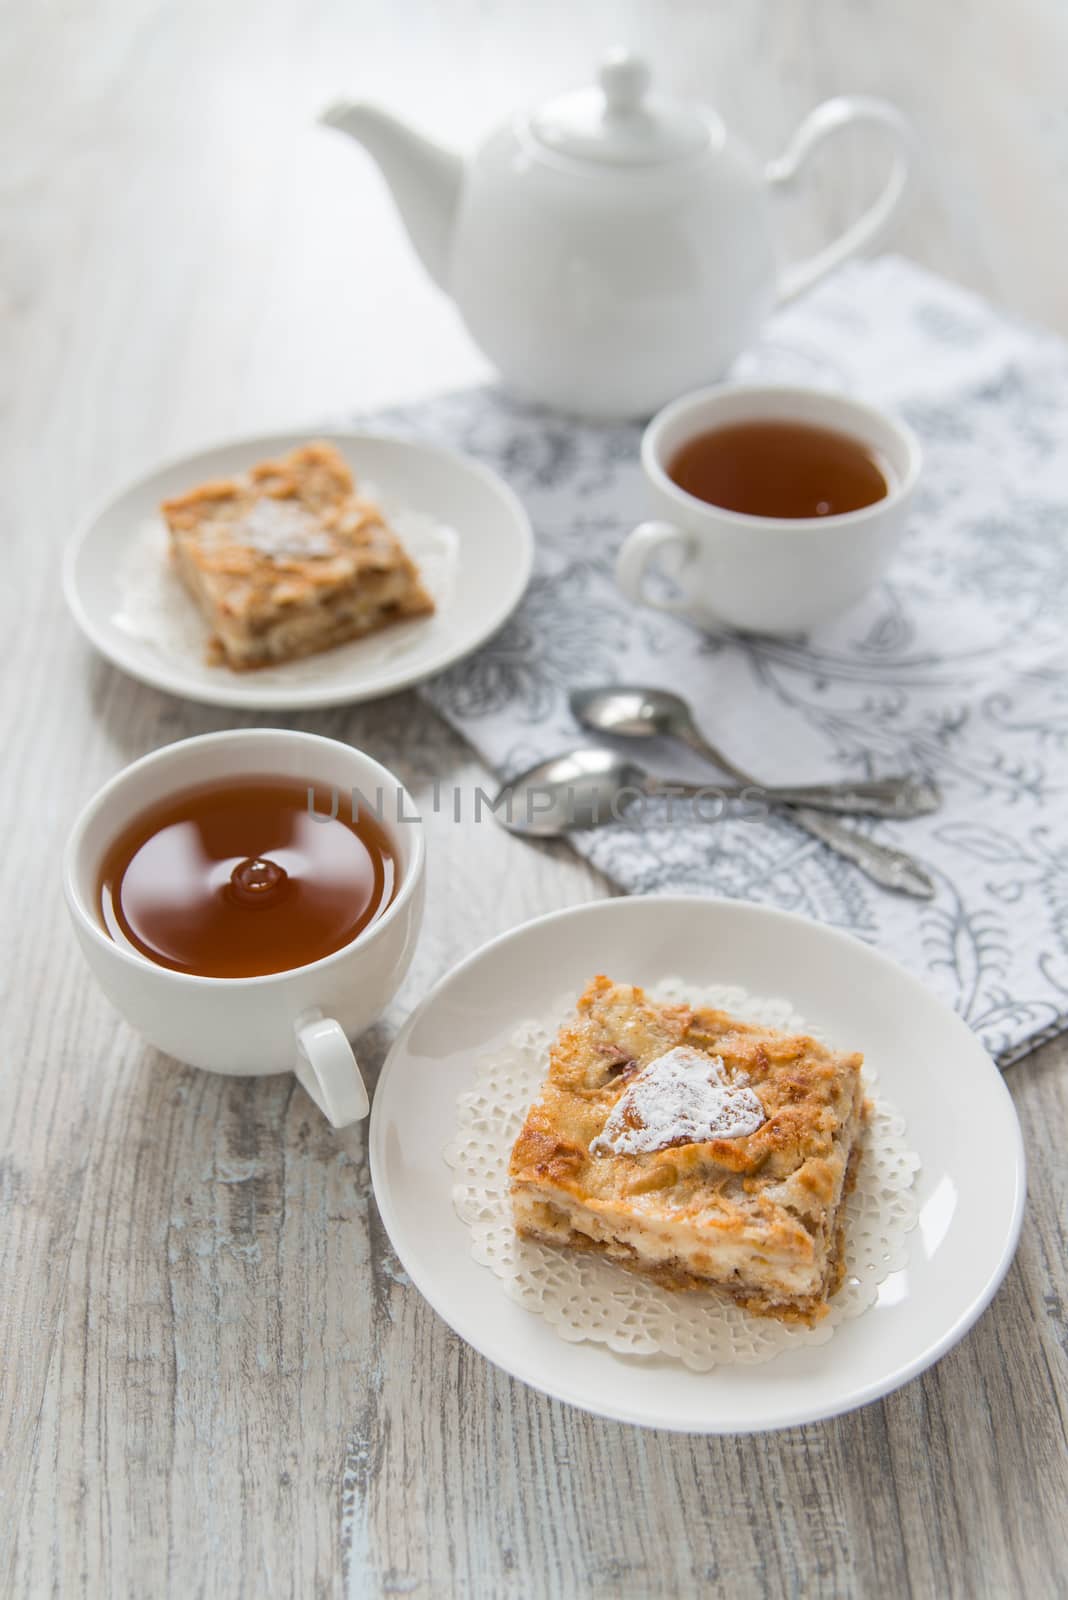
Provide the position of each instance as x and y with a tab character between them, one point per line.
424	178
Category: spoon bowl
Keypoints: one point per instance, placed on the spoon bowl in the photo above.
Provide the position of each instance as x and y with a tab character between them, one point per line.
582	789
632	712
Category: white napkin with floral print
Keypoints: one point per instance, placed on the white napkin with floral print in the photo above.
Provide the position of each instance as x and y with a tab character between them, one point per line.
956	666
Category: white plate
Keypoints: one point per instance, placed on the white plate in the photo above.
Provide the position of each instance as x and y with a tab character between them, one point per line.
466	528
961	1120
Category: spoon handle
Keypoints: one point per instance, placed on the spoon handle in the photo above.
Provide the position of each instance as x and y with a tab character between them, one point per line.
688	733
892	869
880	798
905	796
877	797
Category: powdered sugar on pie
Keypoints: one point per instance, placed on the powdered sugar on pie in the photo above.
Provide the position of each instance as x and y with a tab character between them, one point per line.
277	528
683	1097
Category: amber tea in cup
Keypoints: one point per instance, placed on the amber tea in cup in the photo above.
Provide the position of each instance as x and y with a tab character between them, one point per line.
245	877
780	468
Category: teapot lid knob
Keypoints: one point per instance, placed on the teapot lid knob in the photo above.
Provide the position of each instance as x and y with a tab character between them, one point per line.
619	123
624	80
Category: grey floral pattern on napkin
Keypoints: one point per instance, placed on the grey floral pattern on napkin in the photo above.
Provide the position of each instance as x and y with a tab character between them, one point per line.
956	666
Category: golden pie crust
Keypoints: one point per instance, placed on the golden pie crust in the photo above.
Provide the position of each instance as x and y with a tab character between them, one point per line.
287	560
758	1216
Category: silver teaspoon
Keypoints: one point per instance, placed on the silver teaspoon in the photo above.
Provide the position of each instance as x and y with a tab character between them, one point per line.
633	712
590	787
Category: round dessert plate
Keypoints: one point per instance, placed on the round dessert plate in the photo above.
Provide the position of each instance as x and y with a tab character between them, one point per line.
961	1121
464	527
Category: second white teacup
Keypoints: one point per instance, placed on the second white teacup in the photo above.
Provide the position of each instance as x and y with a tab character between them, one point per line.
773	575
298	1020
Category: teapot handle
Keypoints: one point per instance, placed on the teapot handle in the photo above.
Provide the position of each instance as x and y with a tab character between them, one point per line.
820	123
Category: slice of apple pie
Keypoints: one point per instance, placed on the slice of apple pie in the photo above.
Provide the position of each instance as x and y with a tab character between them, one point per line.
287	559
704	1151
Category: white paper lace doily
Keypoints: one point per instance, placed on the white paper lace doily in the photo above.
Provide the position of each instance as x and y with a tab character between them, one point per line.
587	1298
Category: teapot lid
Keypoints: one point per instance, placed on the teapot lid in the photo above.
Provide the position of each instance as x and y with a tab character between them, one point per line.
619	122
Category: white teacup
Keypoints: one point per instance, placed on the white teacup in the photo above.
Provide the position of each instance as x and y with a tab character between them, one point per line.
776	575
283	1021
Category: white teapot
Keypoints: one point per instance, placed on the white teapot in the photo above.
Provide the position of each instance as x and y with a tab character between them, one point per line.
612	249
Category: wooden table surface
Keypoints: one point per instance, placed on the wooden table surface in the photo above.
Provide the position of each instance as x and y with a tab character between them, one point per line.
214	1376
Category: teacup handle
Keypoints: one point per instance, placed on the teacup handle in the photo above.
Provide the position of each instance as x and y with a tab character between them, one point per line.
637	554
327	1068
820	123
